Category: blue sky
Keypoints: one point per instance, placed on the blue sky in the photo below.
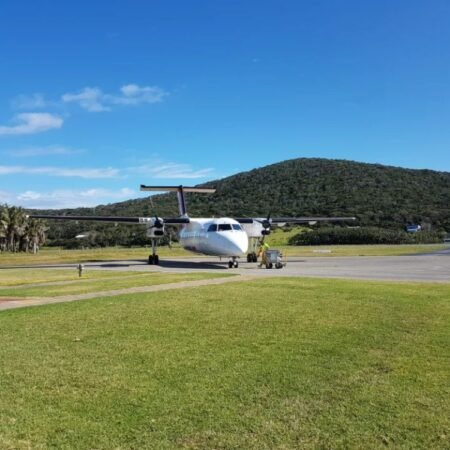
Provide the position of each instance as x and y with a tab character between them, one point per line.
97	97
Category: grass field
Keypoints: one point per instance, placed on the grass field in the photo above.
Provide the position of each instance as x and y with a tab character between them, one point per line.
360	250
53	283
279	363
59	256
23	277
49	255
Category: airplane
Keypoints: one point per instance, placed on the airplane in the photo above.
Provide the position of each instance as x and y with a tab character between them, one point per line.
224	237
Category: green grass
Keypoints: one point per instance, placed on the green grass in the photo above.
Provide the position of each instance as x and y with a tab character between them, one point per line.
50	255
21	277
68	282
278	240
281	236
360	250
280	363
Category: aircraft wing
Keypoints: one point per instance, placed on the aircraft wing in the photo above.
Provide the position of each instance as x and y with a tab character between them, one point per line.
130	220
279	220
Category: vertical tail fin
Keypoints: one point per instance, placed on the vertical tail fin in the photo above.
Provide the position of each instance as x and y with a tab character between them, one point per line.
180	190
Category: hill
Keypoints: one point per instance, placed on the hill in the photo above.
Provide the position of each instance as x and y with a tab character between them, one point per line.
378	195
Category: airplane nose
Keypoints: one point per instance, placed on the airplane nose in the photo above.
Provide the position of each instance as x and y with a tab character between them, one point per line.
239	243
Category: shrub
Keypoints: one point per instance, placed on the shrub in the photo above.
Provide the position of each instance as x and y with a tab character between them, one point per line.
364	235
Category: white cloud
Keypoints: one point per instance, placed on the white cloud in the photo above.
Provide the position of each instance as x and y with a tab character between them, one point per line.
66	198
60	171
30	123
33	101
132	94
172	170
52	150
88	98
93	99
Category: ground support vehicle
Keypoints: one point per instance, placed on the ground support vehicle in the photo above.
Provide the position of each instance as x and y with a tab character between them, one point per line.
273	258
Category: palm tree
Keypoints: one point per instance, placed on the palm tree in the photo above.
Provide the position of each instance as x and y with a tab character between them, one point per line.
2	231
34	235
12	219
18	232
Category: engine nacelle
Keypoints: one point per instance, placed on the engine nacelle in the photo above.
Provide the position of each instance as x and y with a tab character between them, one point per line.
153	232
155	228
253	230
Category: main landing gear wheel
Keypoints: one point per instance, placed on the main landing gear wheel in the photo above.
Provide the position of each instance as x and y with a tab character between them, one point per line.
251	257
153	260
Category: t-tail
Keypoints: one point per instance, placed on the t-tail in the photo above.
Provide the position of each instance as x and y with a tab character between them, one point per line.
180	190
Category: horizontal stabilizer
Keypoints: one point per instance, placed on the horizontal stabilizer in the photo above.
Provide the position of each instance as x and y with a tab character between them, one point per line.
180	190
177	189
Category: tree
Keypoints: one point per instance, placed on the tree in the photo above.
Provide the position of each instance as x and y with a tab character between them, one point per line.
34	235
17	232
13	221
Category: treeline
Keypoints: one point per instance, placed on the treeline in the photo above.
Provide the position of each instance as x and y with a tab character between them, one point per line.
364	235
18	233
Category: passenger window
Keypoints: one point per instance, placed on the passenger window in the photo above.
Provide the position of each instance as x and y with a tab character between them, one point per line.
236	226
212	228
224	227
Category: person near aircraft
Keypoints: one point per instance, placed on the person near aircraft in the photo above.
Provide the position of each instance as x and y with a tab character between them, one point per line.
263	247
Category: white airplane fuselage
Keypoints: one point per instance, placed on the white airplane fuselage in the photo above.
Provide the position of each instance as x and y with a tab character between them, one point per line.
214	237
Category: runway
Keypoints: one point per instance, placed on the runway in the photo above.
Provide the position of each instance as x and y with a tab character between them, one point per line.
426	268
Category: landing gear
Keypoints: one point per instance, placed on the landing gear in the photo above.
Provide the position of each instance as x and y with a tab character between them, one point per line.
251	257
254	243
233	263
153	259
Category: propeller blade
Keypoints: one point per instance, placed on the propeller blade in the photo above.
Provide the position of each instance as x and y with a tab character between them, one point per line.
266	223
158	223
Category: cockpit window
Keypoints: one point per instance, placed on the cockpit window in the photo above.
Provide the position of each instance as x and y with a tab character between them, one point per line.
236	226
212	227
224	227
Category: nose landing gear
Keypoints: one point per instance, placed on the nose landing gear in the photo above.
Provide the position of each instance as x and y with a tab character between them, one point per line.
153	258
233	263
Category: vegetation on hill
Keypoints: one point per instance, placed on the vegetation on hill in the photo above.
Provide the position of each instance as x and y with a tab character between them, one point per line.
381	196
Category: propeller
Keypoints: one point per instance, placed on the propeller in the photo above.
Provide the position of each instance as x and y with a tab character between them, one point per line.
158	223
266	224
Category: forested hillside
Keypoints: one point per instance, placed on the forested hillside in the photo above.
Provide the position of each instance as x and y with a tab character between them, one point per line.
388	197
